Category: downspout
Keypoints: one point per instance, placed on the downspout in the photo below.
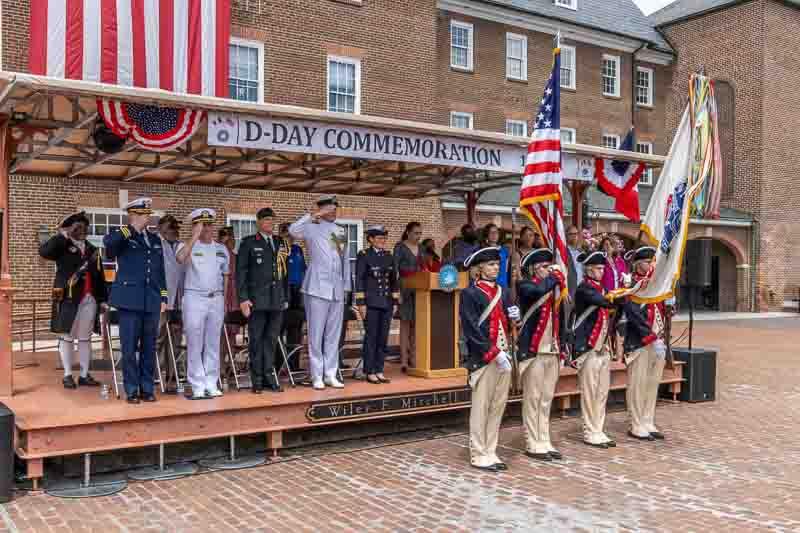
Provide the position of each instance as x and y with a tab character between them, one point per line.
633	89
754	253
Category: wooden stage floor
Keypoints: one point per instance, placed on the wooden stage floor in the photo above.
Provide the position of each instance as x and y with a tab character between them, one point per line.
52	421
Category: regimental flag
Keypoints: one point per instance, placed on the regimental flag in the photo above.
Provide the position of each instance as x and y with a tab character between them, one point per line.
620	179
175	45
540	194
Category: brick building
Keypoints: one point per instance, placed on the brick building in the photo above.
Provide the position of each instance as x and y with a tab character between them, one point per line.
464	63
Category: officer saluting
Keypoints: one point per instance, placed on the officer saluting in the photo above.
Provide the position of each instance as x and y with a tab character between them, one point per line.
263	287
139	293
376	281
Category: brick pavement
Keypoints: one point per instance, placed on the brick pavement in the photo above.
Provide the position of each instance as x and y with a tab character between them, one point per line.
727	466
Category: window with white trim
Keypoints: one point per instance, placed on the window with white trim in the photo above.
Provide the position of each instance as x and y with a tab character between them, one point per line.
610	141
516	57
610	74
246	70
354	231
459	119
461	45
344	85
647	176
644	86
518	128
569	4
568	66
103	221
243	226
568	135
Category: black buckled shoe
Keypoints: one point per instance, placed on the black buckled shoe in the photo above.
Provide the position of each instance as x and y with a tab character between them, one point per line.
539	456
88	381
555	454
490	468
501	466
611	444
602	445
133	398
657	435
69	382
648	437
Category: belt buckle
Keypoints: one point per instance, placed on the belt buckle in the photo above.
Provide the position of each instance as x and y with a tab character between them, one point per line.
210	294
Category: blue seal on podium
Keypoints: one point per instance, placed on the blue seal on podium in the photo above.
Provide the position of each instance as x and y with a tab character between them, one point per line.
448	278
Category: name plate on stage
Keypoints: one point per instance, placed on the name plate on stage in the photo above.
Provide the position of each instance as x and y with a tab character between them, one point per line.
388	405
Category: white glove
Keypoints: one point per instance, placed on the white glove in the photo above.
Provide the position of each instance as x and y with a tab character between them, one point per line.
513	313
503	361
555	268
626	280
660	348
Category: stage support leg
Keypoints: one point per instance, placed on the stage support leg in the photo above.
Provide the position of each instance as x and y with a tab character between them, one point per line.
34	470
162	471
232	462
275	442
87	489
6	290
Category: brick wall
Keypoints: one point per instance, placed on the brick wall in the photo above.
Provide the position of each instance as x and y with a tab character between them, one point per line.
39	201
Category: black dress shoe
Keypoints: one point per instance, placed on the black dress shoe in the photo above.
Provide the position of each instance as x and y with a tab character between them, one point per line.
602	445
611	444
647	437
490	468
384	379
374	381
501	466
274	387
69	382
133	398
257	389
657	435
539	456
88	381
555	455
149	398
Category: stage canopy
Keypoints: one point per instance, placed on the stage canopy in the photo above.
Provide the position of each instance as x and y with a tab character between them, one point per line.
262	146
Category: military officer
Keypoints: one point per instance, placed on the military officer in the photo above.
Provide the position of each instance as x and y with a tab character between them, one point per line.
203	303
645	352
78	290
592	349
539	348
263	287
376	281
326	287
485	310
139	292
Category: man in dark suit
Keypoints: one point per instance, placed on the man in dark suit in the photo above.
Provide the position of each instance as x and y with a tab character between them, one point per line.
263	286
78	290
139	293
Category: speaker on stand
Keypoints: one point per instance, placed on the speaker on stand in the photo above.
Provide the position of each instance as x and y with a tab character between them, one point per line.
696	274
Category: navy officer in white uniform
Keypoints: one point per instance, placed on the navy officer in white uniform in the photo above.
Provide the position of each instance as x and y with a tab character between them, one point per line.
207	269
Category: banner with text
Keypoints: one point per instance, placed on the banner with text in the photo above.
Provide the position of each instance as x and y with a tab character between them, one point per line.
365	143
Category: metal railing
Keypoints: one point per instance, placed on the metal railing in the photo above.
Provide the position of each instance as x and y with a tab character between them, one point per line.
30	325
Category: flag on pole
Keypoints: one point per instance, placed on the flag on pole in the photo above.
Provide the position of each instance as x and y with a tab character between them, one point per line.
620	179
540	194
175	45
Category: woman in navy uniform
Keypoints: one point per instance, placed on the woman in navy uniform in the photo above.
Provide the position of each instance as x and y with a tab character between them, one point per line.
539	348
79	289
376	281
139	293
485	310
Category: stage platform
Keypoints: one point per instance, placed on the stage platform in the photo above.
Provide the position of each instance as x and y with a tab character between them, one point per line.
52	421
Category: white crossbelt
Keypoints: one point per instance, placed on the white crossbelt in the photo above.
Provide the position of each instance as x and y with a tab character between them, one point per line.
491	307
532	309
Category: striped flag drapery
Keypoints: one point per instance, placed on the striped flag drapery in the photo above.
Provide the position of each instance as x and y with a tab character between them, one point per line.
155	128
175	45
540	194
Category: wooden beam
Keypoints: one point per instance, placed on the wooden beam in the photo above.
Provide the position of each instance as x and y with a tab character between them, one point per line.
53	141
100	160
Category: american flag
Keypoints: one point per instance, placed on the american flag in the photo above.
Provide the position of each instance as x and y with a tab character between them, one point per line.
540	194
155	128
175	45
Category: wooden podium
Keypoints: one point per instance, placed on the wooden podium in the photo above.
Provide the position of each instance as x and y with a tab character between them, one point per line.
436	326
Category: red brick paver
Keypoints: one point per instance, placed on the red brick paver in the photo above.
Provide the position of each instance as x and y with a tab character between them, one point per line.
731	465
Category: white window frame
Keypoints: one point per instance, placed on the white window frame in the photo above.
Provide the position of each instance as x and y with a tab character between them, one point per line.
359	224
350	61
650	88
97	240
511	122
610	136
573	132
462	114
569	4
260	47
524	59
617	77
238	217
470	46
572	66
647	176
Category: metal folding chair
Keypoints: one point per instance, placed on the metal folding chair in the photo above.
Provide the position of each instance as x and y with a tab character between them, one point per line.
351	314
242	355
175	318
294	375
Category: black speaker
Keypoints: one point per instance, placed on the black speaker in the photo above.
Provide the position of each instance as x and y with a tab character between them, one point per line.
698	263
6	454
700	373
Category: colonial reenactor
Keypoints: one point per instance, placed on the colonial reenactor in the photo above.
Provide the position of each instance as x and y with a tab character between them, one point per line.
645	352
325	287
78	290
592	350
485	310
207	265
376	281
539	348
262	280
140	294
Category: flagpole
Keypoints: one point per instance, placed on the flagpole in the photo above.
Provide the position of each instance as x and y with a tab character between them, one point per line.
514	336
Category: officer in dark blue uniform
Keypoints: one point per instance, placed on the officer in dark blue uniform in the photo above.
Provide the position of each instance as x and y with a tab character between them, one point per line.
139	293
376	281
